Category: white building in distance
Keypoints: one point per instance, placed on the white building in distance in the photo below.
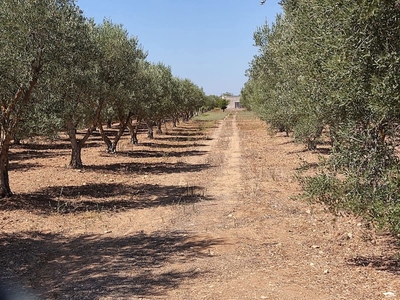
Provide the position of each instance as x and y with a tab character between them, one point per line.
234	101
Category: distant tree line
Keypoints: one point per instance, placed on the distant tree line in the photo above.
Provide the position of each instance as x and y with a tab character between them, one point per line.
329	72
59	71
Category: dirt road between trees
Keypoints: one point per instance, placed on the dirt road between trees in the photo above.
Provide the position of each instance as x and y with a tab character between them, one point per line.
204	211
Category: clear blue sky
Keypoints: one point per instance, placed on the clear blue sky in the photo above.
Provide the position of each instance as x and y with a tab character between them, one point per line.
208	41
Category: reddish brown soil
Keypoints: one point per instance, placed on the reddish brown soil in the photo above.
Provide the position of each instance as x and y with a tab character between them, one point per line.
196	213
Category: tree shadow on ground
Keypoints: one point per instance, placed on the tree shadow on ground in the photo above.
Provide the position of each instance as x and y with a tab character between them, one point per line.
62	145
169	146
186	127
287	142
110	133
31	146
150	168
103	197
323	150
319	149
390	262
185	133
17	166
33	154
93	266
149	154
304	166
180	138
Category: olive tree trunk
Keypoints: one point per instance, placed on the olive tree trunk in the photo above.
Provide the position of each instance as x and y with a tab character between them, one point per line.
9	123
133	130
77	145
106	139
112	145
5	190
159	127
150	132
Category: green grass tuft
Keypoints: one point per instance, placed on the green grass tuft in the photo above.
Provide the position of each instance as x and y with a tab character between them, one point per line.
212	115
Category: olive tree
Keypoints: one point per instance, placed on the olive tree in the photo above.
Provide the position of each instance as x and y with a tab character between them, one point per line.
120	56
193	99
364	150
153	93
36	38
333	66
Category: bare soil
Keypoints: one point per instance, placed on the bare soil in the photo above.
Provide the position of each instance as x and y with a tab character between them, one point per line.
199	212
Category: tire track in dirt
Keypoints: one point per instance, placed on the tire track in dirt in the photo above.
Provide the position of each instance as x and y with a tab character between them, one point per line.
225	156
270	247
228	182
221	182
216	219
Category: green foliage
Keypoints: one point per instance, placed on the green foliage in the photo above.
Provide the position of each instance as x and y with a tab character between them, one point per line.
323	188
222	103
210	102
59	70
360	192
193	98
117	67
213	115
332	66
41	43
38	41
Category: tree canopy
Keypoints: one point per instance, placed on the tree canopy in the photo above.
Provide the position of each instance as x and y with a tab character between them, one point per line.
62	72
328	71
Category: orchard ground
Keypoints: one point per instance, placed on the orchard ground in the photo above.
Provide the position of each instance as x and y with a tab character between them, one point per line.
206	210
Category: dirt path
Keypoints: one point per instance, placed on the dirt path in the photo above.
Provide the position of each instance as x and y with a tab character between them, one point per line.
188	215
271	247
221	182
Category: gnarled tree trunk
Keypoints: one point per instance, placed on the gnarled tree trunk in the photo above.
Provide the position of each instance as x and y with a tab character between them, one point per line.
112	145
77	145
159	125
107	141
133	130
122	126
10	118
5	190
76	156
150	133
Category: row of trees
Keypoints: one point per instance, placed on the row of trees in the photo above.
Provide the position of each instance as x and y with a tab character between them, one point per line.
333	67
61	71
